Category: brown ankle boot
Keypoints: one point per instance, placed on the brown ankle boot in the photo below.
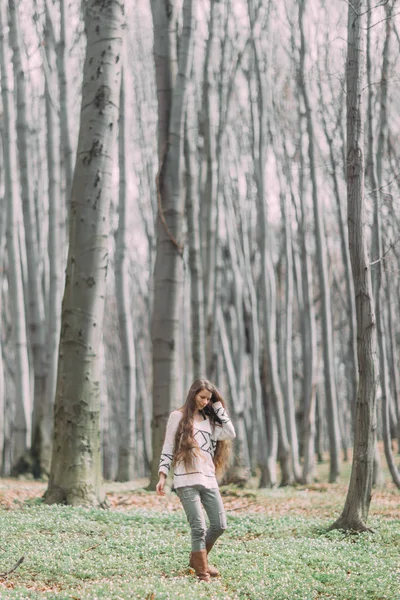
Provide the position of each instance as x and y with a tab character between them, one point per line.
212	570
198	561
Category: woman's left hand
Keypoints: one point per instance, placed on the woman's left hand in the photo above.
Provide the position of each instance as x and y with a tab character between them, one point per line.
160	485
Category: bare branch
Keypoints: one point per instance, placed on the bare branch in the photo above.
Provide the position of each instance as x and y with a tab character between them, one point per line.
21	560
91	548
382	258
386	185
382	20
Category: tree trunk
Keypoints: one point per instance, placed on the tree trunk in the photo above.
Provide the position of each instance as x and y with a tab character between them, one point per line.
268	276
355	511
394	365
210	130
67	159
322	263
260	438
22	424
309	332
195	263
45	377
376	272
56	237
378	267
3	216
351	363
168	271
285	200
75	476
239	472
127	403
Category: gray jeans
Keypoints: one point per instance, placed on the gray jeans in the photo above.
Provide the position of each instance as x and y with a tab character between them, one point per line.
192	497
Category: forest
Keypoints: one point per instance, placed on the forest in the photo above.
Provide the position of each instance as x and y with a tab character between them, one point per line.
198	188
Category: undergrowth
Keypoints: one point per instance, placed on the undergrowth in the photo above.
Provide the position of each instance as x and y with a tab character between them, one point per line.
92	554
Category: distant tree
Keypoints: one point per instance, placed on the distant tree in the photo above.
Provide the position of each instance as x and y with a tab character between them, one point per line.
195	263
75	476
322	263
355	511
127	402
21	425
172	74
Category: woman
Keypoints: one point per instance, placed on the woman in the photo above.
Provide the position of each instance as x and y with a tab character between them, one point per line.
197	443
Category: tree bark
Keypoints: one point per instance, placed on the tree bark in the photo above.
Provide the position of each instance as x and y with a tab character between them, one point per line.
355	511
168	270
376	273
322	263
268	281
3	217
44	414
22	421
210	128
75	476
286	199
67	159
351	363
195	262
127	402
376	180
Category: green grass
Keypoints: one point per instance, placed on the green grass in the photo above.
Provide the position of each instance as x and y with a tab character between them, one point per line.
93	554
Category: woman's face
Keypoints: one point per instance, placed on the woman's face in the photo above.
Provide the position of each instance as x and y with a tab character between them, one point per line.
202	398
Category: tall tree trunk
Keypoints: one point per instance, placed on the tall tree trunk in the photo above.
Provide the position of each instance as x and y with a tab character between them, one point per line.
210	130
322	262
376	273
240	470
309	344
355	511
394	364
261	436
127	403
168	271
35	314
235	345
195	263
22	421
75	476
351	363
3	217
67	159
56	237
268	276
376	180
286	200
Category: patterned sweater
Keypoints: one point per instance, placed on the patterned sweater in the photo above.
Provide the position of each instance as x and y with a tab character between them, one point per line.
206	436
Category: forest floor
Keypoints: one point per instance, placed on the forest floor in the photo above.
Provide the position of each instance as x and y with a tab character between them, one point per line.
277	545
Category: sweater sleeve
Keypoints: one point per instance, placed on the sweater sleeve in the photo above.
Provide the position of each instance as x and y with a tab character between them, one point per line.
168	447
226	431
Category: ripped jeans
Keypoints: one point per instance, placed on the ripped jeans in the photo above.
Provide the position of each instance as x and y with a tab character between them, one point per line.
192	497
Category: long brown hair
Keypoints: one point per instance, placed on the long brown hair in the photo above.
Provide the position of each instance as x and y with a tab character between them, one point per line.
186	447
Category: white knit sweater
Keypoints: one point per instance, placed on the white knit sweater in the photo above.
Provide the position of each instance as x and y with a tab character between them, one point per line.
206	435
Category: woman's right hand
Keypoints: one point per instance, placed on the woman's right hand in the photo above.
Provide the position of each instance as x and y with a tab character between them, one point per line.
160	485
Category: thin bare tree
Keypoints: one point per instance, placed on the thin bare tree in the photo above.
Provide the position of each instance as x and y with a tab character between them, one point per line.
322	263
355	511
22	421
127	404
